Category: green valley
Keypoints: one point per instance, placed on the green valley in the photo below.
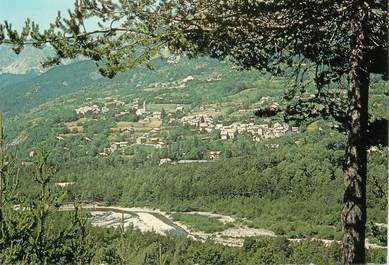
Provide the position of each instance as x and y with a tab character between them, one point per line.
186	137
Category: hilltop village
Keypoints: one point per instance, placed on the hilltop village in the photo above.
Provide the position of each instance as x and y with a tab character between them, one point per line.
142	124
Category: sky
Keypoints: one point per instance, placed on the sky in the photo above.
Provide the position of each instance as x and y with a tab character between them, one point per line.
41	11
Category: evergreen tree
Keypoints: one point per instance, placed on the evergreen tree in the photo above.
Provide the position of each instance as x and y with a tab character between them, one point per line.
32	230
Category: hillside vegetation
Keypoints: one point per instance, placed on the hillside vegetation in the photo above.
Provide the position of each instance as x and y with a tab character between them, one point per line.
172	155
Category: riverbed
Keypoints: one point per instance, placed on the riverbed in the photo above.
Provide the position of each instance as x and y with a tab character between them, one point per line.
160	222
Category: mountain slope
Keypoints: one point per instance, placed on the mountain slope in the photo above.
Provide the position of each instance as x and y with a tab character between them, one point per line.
32	90
27	61
11	79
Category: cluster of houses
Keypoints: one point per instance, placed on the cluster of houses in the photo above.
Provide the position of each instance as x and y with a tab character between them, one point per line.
258	132
147	139
108	103
265	104
113	148
169	85
85	109
142	140
179	84
150	141
212	157
204	122
134	107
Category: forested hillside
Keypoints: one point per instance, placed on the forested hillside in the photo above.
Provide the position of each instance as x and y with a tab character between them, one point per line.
155	138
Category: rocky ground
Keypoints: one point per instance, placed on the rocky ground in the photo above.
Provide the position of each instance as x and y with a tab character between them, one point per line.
160	222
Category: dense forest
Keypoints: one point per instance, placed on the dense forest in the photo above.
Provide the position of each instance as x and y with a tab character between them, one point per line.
38	233
294	190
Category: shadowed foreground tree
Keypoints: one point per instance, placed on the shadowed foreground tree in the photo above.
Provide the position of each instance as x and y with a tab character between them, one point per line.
34	232
330	45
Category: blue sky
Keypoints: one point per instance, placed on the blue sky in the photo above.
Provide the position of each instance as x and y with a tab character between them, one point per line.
41	11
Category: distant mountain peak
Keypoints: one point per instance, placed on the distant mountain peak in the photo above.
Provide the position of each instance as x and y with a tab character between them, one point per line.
28	60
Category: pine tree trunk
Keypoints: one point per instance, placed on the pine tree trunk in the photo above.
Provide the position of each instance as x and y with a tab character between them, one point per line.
355	167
